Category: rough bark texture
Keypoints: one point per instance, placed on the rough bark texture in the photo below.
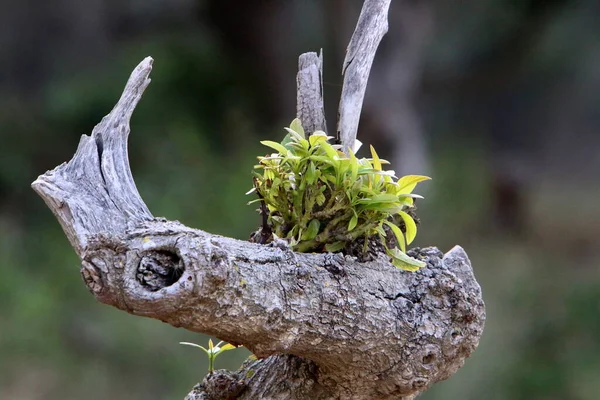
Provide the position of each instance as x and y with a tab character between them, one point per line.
324	326
309	95
372	25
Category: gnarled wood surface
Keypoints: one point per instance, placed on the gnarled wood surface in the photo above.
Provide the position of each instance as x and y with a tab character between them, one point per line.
325	326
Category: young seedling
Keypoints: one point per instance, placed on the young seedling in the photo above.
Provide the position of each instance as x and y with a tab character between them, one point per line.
212	352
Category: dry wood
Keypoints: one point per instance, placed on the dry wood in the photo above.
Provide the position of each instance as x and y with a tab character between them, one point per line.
309	95
372	26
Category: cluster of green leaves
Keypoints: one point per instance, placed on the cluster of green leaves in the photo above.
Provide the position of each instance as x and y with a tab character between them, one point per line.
320	199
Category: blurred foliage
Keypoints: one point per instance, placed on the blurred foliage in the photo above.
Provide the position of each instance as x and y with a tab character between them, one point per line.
509	75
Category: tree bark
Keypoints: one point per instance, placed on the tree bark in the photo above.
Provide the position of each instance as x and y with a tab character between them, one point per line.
324	326
371	27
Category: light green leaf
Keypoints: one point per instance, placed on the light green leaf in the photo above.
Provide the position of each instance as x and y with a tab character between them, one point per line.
376	161
228	346
275	146
296	126
294	136
379	229
384	198
330	151
311	173
398	234
407	183
403	261
320	199
318	137
353	165
411	227
195	345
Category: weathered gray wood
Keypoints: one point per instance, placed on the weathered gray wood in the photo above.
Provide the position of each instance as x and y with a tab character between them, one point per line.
309	95
372	25
95	191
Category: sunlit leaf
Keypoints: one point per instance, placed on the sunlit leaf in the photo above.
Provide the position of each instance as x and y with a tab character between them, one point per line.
318	137
411	227
407	183
398	234
275	146
403	261
228	346
376	162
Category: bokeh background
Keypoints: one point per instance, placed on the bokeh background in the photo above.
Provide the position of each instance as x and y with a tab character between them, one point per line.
497	100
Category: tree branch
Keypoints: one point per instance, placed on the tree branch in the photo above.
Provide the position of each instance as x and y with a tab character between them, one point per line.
309	97
95	191
372	25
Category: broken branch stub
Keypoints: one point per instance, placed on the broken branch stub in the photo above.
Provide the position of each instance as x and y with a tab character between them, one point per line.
309	95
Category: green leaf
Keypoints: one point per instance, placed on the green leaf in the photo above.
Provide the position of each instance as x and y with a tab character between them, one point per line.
390	208
330	151
411	195
228	346
312	230
411	227
311	173
318	137
353	165
407	183
296	126
384	198
353	222
195	345
320	199
398	234
403	261
294	136
336	246
376	160
275	146
379	229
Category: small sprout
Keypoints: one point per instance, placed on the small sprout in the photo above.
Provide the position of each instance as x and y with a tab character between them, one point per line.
212	352
320	199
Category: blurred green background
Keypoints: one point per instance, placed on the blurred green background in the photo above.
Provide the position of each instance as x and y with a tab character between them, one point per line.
497	100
